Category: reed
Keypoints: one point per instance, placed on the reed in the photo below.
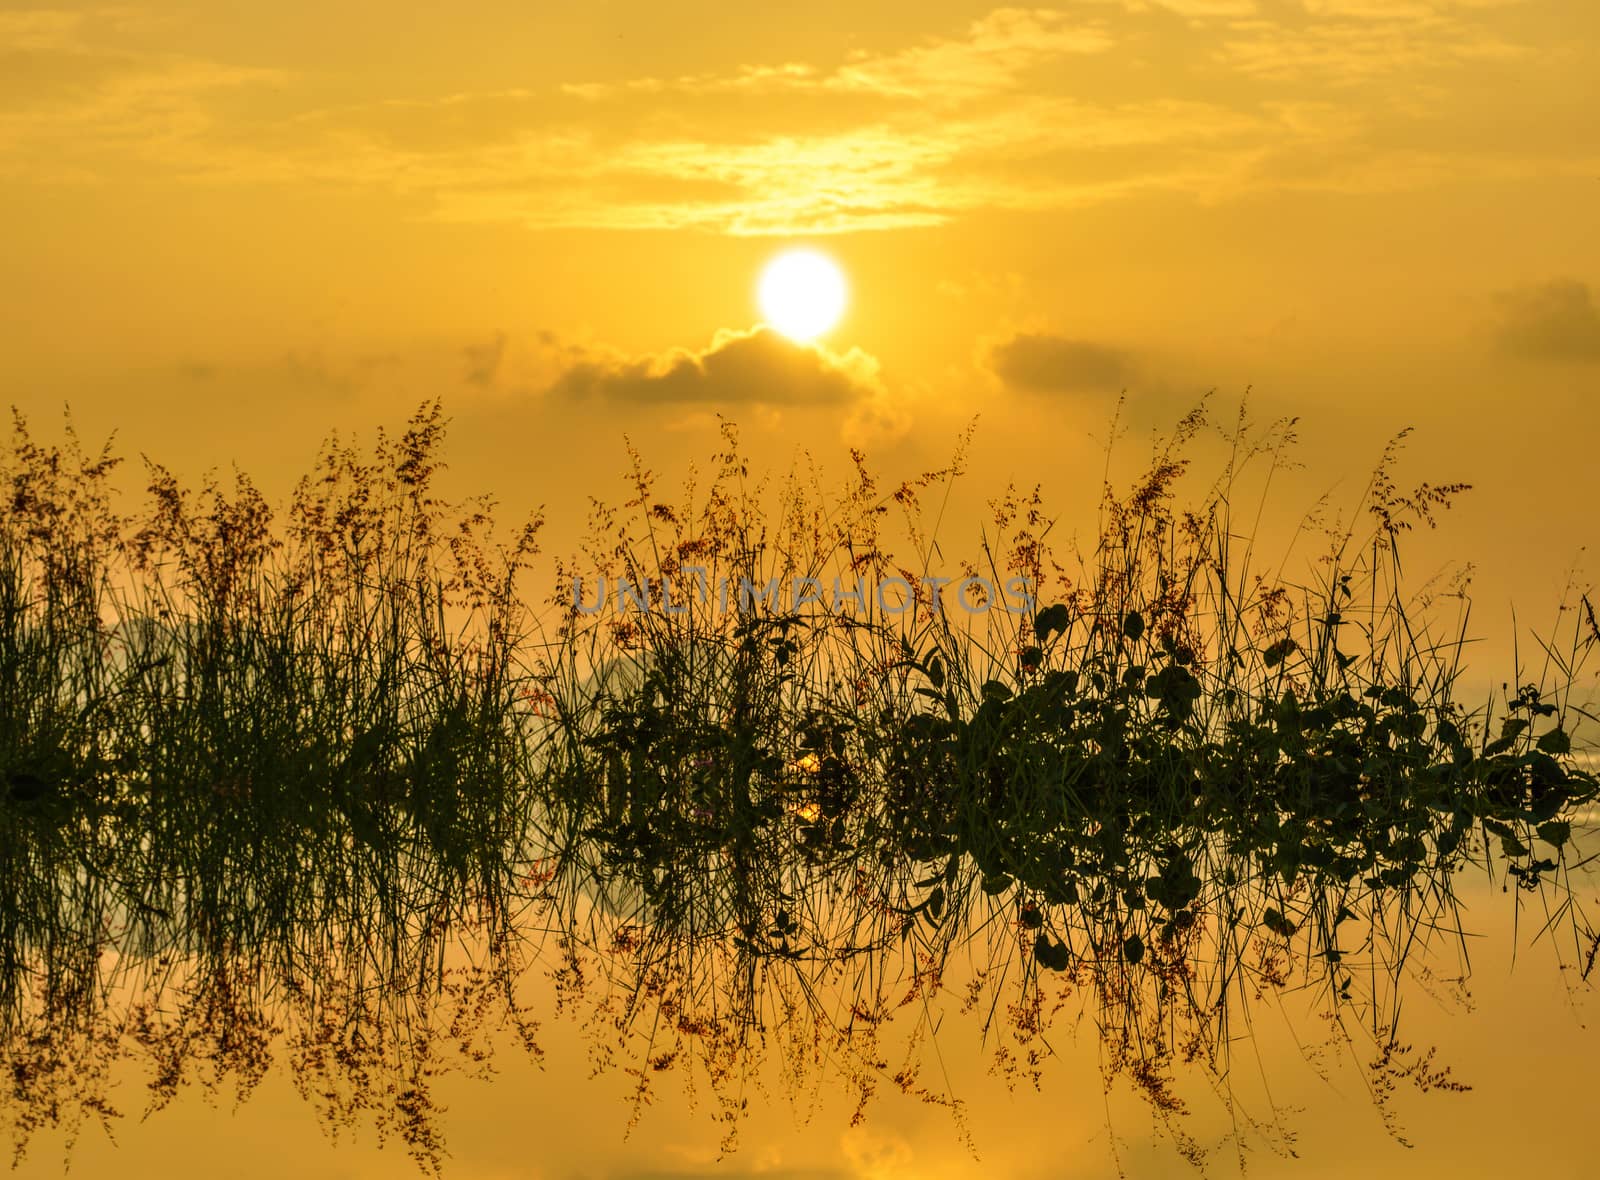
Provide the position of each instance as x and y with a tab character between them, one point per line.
320	787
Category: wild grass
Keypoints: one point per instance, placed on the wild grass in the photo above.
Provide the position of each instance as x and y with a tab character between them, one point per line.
320	787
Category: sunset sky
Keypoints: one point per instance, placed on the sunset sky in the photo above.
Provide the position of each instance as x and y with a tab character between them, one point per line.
226	229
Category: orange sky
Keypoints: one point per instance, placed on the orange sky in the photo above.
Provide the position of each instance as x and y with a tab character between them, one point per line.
228	228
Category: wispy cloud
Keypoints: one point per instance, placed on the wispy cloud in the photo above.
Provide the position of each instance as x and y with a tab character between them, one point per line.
995	55
1216	99
78	98
39	29
1356	46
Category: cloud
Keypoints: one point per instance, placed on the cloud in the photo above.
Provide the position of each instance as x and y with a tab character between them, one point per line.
995	54
1399	9
757	371
878	1155
1203	8
756	367
1000	113
907	136
1346	43
1030	152
483	360
866	178
996	115
1556	321
38	29
76	97
1043	363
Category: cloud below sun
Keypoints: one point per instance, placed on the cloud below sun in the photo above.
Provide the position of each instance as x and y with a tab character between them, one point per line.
757	366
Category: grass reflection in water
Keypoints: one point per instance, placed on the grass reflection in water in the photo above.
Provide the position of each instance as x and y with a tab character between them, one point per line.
321	788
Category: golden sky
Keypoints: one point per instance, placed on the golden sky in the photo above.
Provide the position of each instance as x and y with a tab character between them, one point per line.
230	227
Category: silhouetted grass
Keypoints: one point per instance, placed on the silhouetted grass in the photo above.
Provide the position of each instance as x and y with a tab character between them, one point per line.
323	787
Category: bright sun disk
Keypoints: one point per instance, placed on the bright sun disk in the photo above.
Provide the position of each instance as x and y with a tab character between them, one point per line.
802	294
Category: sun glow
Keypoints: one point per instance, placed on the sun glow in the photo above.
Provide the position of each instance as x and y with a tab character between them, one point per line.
802	294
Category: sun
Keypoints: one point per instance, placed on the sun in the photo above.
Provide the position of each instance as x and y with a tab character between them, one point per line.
802	293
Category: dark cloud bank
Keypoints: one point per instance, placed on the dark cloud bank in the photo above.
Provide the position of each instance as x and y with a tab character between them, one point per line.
1044	363
1553	321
